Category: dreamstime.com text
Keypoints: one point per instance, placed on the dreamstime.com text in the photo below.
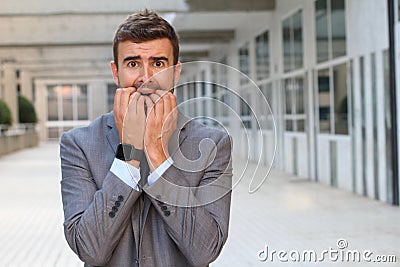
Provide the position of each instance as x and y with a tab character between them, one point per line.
339	254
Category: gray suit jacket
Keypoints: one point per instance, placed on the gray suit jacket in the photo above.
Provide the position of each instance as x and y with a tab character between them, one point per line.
181	220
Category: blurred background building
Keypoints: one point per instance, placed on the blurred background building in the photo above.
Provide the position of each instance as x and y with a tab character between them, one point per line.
323	65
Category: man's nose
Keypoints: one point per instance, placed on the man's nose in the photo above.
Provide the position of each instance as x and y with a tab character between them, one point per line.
145	73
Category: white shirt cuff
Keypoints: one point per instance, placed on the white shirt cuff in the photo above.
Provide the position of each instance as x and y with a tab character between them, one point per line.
126	172
153	177
130	175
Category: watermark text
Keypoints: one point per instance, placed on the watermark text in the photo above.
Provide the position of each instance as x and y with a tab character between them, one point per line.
338	254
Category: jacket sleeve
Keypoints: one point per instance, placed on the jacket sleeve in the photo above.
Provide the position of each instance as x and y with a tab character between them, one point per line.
197	219
94	218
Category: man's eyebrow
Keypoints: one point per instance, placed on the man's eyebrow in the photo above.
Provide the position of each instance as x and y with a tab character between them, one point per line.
131	58
160	58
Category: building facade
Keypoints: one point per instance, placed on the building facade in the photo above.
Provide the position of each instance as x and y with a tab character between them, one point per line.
322	65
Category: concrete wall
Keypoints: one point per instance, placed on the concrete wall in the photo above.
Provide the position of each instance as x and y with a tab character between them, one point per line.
13	143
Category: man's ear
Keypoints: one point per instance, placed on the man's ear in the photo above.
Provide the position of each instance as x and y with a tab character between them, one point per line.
177	72
114	70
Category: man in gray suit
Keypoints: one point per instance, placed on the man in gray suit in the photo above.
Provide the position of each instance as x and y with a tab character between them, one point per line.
145	185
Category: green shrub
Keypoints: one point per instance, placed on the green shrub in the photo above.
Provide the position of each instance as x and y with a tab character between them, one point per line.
5	113
26	110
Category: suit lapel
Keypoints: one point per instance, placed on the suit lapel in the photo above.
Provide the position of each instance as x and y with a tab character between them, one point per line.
112	135
179	134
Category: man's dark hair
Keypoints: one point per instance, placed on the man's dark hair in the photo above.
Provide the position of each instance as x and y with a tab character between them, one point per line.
145	26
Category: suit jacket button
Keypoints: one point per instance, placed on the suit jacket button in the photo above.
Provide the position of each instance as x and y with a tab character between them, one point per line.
111	214
120	198
167	213
114	209
164	208
117	204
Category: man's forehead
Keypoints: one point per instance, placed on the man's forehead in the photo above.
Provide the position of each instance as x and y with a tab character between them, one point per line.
157	47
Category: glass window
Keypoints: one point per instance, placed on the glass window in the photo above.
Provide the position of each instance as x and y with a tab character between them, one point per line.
179	95
330	21
266	118
398	9
262	56
340	99
287	47
67	102
300	104
363	126
298	40
192	95
292	32
338	21
244	63
333	113
225	98
245	110
288	105
52	103
324	101
203	92
223	72
82	102
388	124
321	23
295	102
67	108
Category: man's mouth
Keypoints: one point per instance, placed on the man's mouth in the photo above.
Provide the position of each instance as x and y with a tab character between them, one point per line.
146	91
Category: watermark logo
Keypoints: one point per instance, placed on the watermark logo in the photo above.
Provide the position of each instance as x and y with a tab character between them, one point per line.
236	106
339	254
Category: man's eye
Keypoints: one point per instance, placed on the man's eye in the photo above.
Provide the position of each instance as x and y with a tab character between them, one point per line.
159	64
132	64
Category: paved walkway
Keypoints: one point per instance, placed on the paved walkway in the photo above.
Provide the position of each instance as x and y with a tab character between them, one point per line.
287	213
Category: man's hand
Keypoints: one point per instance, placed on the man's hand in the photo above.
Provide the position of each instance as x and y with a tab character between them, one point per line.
121	101
130	117
161	123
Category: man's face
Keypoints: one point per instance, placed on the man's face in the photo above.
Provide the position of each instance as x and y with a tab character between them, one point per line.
138	64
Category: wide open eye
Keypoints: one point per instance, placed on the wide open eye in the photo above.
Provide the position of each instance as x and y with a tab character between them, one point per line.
158	64
132	64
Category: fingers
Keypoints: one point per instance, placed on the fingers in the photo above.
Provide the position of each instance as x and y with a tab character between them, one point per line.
149	104
158	108
121	101
133	102
140	111
165	103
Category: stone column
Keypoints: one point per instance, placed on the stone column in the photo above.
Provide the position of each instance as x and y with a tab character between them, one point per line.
10	91
26	85
41	109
